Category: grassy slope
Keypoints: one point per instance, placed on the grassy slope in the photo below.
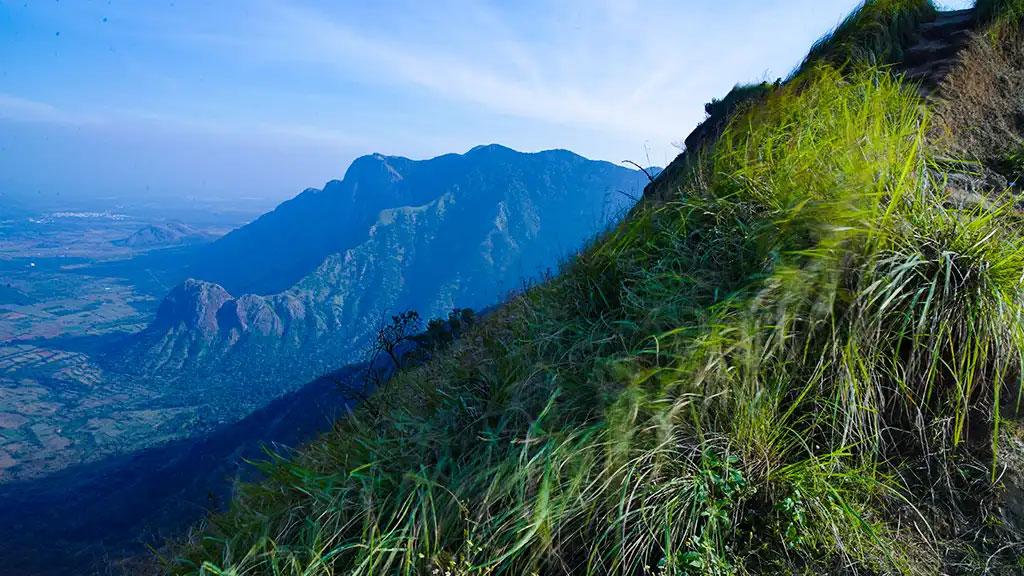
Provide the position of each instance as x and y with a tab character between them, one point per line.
980	118
875	34
1000	12
795	366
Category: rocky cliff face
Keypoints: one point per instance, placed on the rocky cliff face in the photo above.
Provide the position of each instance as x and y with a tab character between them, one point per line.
455	231
193	305
274	252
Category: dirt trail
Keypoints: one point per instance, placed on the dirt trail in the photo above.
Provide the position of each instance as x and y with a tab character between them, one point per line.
937	44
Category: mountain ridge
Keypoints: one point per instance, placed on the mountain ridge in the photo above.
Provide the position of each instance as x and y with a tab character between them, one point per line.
458	230
274	251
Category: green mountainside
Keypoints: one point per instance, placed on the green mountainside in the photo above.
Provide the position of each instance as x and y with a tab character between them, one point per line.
801	354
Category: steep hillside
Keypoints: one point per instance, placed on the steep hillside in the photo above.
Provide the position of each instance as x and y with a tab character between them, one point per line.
455	231
801	354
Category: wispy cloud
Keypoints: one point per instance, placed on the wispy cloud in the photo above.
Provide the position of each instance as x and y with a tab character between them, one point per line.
17	109
629	71
318	82
489	67
634	71
250	130
23	110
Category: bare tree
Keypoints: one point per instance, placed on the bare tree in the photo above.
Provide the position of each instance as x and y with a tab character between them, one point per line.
390	336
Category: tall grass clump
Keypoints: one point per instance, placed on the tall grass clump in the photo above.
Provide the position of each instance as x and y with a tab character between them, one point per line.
875	34
999	14
757	378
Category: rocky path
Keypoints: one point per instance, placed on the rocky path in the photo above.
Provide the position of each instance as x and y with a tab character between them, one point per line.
934	53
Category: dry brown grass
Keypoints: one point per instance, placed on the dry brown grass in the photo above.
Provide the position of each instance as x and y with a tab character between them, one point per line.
981	116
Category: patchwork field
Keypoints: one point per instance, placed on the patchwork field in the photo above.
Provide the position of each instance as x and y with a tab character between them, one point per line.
70	287
60	408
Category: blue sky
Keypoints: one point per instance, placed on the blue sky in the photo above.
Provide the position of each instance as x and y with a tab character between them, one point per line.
261	98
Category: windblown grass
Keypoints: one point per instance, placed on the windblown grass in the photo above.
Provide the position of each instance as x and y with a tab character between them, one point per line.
875	34
730	383
1000	12
773	374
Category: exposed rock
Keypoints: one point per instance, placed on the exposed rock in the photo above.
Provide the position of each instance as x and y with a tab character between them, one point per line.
193	305
936	49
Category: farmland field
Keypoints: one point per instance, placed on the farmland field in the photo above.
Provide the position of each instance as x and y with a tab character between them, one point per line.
69	289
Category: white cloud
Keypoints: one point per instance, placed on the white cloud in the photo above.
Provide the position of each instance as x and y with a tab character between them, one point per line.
17	109
489	67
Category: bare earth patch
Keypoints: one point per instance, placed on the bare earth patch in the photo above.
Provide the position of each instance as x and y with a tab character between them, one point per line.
10	420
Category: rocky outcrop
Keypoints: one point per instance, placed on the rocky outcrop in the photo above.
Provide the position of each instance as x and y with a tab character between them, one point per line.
194	306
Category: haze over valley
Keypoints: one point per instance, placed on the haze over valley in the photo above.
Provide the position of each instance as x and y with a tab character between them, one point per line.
73	282
119	333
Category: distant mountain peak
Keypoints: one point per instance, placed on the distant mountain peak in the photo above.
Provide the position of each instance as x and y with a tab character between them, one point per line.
164	234
491	148
376	165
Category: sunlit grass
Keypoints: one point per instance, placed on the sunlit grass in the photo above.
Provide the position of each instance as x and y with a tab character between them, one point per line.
875	34
1000	12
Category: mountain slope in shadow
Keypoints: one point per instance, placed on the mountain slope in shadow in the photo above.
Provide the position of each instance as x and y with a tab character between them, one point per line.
91	516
